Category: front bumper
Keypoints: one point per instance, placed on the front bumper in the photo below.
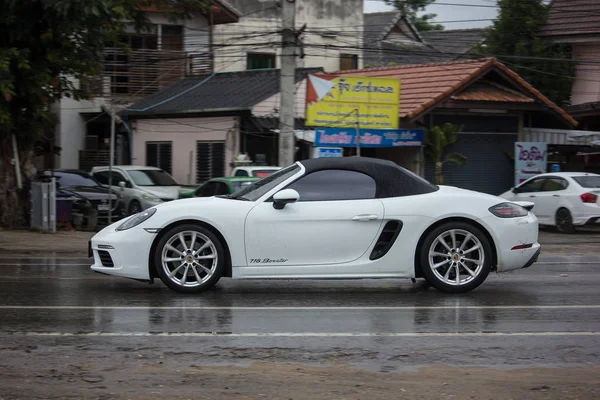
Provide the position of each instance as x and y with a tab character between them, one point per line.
124	254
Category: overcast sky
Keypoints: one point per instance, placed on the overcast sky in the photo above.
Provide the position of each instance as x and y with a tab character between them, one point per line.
445	13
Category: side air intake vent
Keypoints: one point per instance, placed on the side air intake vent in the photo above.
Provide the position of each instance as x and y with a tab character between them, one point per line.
388	236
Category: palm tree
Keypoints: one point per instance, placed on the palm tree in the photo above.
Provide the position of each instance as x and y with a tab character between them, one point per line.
437	139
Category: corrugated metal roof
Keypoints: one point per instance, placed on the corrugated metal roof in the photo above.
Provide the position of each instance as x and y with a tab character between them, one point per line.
572	17
225	91
562	136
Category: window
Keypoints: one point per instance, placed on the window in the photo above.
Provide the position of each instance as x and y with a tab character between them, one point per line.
159	155
210	160
588	181
151	177
263	186
222	188
207	189
241	172
555	184
74	179
260	61
348	61
330	185
534	185
102	177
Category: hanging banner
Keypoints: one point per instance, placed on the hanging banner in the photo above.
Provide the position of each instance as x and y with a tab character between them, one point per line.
369	137
531	158
345	101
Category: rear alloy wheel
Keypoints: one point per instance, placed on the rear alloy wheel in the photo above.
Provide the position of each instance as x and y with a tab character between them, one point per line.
189	259
456	257
564	221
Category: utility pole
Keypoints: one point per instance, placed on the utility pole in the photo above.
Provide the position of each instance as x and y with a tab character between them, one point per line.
357	133
111	162
287	142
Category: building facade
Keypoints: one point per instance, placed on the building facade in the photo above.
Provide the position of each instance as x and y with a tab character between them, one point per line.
331	36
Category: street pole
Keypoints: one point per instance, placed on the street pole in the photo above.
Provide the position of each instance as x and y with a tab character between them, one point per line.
110	162
287	142
357	134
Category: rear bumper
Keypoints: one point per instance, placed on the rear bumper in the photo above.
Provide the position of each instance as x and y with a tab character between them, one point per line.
533	259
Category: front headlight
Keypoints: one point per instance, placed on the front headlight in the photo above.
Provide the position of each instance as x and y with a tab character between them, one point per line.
151	197
136	219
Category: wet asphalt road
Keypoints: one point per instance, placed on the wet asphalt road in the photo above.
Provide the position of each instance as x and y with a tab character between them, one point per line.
547	315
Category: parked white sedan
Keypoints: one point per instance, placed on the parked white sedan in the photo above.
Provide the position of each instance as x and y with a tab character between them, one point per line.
324	218
562	199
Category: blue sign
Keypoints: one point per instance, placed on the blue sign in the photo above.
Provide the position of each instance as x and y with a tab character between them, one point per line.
344	137
321	152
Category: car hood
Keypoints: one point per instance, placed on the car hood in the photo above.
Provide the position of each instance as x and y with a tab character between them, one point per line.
163	192
91	192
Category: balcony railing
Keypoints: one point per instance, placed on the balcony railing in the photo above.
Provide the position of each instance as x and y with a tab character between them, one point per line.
138	73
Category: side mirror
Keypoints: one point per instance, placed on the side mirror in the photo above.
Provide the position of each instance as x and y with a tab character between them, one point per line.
280	199
515	190
122	185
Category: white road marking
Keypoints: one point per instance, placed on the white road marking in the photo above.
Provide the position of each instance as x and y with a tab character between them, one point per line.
324	308
301	334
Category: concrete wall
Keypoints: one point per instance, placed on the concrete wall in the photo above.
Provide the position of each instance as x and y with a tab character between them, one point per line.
71	129
184	133
333	23
586	88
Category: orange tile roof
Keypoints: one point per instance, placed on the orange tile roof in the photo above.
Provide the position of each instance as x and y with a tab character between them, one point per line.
424	86
488	91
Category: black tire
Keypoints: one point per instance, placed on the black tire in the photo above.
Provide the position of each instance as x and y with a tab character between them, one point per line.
564	221
194	270
135	207
456	260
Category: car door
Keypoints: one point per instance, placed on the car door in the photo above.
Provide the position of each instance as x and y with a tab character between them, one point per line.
530	191
548	201
335	221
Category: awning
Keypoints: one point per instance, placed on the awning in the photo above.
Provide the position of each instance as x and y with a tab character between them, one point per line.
562	136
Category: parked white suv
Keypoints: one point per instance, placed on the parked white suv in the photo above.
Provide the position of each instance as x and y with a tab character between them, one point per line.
142	187
562	199
255	171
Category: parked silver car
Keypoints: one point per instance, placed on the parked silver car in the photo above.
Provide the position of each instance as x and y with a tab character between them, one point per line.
141	187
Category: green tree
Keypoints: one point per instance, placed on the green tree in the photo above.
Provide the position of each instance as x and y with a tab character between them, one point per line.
46	47
437	139
411	8
514	33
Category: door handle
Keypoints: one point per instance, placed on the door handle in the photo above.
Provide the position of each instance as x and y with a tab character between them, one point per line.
365	217
555	195
531	196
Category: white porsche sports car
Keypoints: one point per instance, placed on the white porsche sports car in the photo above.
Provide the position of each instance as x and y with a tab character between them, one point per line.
328	218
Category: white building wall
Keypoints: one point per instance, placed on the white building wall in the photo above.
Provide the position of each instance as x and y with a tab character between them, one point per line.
586	88
332	28
71	129
184	133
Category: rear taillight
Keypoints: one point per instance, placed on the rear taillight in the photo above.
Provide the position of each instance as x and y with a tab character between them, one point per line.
508	210
589	198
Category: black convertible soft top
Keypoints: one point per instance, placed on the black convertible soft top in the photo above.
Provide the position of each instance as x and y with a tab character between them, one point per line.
391	179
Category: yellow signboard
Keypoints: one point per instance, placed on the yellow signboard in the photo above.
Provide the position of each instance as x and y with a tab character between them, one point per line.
343	101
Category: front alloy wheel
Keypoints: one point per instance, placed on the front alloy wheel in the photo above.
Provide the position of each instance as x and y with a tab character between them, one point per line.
189	259
456	257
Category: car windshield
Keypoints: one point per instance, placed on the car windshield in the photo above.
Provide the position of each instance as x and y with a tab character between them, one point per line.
237	185
588	181
259	188
151	177
75	179
262	173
